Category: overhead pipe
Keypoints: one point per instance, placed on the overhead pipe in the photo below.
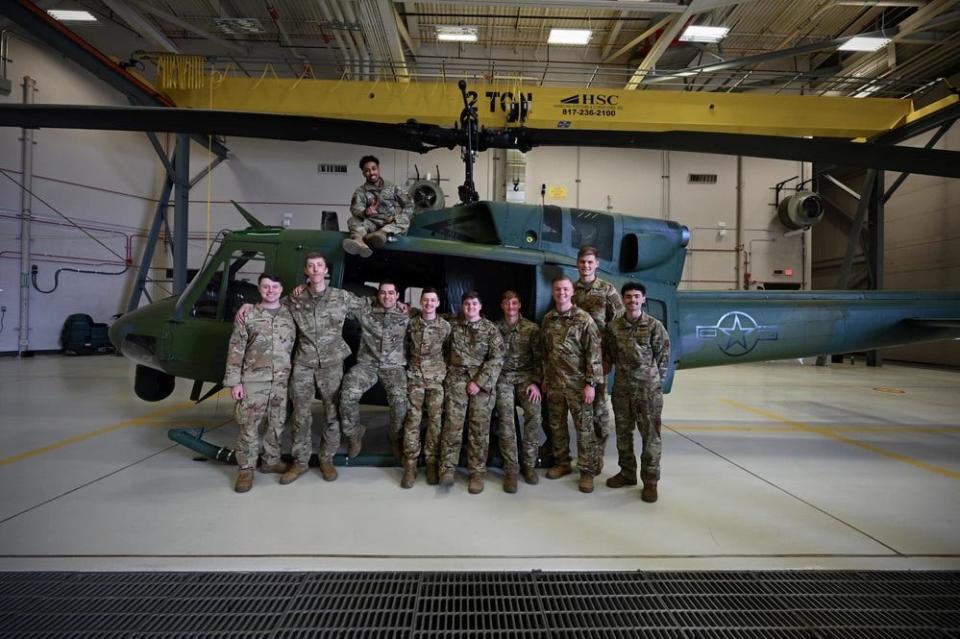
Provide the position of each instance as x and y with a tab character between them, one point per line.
341	17
348	62
351	17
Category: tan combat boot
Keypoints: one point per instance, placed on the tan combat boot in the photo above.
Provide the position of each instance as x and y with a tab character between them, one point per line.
558	471
377	239
446	478
292	474
328	471
356	443
278	468
530	476
620	480
355	246
409	475
510	483
433	477
586	483
649	492
476	485
244	480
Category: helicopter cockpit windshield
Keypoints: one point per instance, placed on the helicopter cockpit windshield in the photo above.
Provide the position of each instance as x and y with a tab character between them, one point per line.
216	301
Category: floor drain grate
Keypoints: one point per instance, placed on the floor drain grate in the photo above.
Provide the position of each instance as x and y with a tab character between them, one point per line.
501	605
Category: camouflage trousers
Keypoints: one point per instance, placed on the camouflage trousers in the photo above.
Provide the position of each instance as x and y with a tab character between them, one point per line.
358	381
638	407
262	401
305	383
560	401
360	227
475	411
422	398
601	423
509	397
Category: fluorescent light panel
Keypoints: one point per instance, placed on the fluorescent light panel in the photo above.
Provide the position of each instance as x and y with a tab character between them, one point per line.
69	15
456	34
697	33
864	43
569	36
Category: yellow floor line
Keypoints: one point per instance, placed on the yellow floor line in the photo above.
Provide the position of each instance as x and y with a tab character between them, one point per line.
847	428
853	442
137	421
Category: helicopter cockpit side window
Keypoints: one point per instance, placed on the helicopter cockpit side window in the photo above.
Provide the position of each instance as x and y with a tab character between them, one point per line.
240	271
594	229
552	224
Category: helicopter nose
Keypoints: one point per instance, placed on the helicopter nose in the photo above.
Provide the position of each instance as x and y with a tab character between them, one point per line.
118	332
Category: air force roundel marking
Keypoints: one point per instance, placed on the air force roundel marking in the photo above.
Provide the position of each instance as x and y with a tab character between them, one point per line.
736	333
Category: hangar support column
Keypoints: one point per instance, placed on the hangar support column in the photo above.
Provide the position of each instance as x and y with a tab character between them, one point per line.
26	215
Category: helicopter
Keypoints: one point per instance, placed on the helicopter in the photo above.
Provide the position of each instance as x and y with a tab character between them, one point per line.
494	246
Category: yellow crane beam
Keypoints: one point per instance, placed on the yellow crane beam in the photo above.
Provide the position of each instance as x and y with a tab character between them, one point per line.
557	107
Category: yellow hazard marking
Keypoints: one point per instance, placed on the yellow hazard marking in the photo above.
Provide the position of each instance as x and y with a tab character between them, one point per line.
887	389
826	432
150	419
845	428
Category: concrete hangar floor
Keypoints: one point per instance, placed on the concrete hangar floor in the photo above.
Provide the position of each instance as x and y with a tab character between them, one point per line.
779	467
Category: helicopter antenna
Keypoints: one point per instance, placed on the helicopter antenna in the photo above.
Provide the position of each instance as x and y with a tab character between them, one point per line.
470	124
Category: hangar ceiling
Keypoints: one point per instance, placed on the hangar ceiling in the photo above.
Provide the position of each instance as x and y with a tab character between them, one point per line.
778	46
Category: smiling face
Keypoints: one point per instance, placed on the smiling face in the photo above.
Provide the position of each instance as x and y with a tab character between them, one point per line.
511	309
563	295
371	171
471	309
387	295
429	303
587	265
270	291
633	300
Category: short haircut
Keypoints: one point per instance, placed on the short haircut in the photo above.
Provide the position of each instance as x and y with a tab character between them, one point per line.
368	158
313	256
561	278
470	295
390	282
633	286
509	295
430	289
268	276
586	249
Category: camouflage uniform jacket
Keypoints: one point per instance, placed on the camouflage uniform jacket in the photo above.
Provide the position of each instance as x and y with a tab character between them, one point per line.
521	360
319	318
599	299
395	205
382	336
260	348
426	345
477	346
640	349
571	349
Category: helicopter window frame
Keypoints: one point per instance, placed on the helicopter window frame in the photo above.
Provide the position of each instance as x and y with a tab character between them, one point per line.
551	225
229	298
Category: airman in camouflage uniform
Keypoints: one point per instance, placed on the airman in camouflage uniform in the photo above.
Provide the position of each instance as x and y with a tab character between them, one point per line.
518	385
257	372
639	347
571	372
427	341
379	211
318	364
476	355
602	302
380	356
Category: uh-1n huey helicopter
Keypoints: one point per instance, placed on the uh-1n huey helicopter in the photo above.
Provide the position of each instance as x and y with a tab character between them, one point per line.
494	246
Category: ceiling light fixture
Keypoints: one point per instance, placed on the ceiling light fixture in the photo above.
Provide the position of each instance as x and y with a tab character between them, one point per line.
456	34
864	43
70	15
570	36
698	33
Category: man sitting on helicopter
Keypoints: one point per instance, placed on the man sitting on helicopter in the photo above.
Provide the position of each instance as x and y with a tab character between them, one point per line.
380	211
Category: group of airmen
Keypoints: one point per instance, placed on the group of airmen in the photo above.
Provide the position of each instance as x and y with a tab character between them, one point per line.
448	373
451	374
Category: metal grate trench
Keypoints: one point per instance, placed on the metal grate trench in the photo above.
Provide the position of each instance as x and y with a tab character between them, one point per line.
482	605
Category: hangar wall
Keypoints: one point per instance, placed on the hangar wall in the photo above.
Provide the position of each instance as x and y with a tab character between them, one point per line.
108	183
